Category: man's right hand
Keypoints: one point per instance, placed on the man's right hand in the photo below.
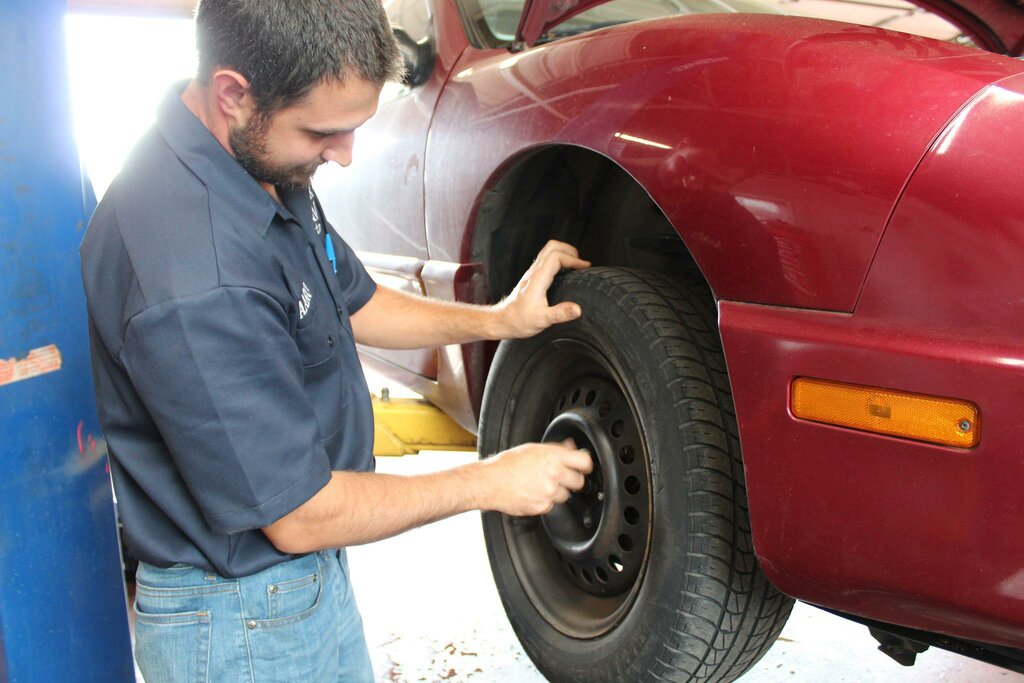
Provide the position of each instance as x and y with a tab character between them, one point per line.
532	478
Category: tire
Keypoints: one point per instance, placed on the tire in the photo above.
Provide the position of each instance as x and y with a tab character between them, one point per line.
648	574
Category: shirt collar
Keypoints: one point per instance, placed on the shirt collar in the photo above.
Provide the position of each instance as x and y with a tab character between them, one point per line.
297	206
196	147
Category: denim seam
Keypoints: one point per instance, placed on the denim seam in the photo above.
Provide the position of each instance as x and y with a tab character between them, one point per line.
175	619
208	632
196	591
295	584
343	570
245	634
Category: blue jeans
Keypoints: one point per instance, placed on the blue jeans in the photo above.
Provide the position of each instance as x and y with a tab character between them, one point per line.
296	621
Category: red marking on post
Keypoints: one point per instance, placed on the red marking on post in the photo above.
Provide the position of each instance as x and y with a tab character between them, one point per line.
38	362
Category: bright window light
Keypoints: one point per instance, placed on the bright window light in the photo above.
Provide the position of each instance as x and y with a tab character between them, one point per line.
119	69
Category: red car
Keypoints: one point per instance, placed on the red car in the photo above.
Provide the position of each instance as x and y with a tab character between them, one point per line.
799	367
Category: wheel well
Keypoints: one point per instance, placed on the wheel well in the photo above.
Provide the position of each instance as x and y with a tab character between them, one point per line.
580	197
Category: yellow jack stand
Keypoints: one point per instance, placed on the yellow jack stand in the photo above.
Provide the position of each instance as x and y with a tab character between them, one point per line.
405	426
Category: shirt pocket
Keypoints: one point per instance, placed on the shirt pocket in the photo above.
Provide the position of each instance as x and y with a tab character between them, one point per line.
316	333
323	372
316	342
325	387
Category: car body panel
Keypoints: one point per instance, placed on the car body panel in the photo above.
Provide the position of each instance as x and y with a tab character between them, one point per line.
886	528
778	180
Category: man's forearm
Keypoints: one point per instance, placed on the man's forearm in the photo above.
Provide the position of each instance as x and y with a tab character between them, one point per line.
396	320
359	507
356	508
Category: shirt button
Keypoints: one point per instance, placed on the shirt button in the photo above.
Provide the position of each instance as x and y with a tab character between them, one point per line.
273	589
338	309
330	342
251	625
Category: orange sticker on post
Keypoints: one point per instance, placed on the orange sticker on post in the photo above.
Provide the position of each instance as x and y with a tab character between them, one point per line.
38	362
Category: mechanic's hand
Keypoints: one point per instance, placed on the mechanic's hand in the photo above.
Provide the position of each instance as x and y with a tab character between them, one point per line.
531	479
525	311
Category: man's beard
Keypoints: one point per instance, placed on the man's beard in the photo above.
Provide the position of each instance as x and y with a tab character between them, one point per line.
250	147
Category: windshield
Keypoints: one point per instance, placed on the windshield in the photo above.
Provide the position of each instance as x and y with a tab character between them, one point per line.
496	20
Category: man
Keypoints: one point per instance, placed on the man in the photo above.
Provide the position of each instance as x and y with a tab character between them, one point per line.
223	319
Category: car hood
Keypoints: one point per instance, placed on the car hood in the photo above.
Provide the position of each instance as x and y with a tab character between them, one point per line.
994	25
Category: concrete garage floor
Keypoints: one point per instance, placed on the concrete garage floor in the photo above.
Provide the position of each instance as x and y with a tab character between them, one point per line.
432	614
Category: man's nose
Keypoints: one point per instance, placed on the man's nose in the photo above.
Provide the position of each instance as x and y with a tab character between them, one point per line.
340	150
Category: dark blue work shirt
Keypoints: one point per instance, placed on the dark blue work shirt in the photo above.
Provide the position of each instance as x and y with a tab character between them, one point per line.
224	363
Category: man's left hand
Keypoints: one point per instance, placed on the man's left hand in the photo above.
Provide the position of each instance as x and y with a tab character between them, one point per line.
525	311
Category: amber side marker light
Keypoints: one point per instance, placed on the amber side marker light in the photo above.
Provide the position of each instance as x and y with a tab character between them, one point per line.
945	421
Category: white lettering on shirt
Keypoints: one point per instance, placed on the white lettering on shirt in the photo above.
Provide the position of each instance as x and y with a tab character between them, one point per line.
317	223
305	301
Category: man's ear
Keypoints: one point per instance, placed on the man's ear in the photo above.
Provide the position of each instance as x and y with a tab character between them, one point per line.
232	97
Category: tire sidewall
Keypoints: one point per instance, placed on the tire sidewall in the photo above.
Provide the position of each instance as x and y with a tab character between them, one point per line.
619	334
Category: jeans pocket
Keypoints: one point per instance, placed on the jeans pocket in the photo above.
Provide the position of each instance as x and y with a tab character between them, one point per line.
301	643
291	600
287	599
172	647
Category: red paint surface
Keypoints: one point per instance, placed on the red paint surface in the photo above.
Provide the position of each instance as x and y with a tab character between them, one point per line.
788	140
895	530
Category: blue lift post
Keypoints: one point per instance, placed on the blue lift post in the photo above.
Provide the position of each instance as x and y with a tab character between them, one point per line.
62	605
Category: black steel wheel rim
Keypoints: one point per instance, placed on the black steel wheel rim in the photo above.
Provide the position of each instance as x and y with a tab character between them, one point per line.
583	563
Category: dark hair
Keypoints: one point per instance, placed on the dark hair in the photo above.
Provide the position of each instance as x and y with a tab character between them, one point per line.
286	47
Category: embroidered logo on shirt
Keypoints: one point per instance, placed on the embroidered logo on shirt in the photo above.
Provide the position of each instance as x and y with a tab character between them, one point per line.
305	301
317	223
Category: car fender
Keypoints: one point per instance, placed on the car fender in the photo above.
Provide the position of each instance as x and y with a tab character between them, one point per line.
776	146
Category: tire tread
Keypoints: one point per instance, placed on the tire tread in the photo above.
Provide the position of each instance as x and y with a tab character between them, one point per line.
679	323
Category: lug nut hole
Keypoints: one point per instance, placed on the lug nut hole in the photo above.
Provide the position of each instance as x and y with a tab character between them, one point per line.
591	396
632	515
602	575
615	563
627	455
625	542
631	485
617	428
604	408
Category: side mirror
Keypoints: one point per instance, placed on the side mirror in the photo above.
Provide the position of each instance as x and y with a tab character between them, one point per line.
419	58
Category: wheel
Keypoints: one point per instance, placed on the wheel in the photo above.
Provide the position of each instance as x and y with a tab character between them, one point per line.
648	573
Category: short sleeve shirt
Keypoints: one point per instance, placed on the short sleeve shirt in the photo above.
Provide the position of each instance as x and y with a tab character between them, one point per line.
226	373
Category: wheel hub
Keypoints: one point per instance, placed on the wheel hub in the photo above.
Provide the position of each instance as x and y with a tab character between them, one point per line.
600	533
